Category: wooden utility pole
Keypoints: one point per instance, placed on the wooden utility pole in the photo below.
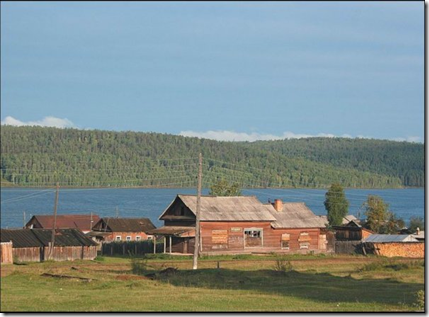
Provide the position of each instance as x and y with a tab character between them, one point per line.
197	213
55	221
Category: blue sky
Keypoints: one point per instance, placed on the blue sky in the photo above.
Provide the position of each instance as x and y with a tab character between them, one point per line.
233	71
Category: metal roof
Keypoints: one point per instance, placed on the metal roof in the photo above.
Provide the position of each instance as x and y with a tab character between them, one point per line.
228	208
128	224
383	238
81	222
25	238
21	238
295	215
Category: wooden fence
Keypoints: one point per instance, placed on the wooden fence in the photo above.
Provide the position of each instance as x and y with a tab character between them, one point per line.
6	252
348	247
130	248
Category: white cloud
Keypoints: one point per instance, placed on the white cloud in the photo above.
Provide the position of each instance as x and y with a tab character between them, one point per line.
251	137
414	139
45	122
223	135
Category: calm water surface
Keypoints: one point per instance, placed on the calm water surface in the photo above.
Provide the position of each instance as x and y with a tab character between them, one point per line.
151	203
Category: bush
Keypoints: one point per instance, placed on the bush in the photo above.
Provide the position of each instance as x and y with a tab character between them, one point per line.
282	265
420	300
138	265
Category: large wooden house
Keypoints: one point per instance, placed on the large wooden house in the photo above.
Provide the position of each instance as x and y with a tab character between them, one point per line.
240	224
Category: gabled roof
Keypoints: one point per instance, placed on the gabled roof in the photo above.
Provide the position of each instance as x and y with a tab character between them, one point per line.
383	238
227	208
128	224
23	238
295	215
81	222
349	218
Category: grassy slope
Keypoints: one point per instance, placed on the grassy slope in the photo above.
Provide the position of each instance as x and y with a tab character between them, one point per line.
331	283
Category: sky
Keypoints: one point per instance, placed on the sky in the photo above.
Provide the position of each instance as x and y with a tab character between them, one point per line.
239	71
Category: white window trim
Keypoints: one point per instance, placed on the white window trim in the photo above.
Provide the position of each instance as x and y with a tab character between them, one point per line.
138	238
253	229
118	238
128	238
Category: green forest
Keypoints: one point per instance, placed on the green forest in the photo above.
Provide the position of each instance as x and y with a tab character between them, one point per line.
40	156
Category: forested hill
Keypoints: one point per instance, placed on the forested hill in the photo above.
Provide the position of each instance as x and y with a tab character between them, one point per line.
36	156
399	159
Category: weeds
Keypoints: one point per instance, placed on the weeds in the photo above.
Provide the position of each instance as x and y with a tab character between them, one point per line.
282	265
420	300
138	265
391	264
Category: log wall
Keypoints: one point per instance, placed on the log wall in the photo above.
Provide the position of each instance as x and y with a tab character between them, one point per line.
229	237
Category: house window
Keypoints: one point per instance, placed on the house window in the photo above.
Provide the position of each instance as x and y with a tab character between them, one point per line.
138	238
118	238
304	245
253	237
285	241
128	238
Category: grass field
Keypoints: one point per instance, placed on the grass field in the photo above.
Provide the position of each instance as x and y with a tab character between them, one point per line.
241	283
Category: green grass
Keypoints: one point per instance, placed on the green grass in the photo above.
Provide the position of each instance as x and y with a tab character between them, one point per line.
331	283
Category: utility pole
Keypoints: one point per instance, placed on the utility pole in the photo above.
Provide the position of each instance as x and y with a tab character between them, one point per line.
24	220
197	213
55	220
117	212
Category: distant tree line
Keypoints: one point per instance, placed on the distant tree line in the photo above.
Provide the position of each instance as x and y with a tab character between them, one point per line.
39	156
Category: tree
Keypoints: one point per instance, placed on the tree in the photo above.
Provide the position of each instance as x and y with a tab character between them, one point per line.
336	204
376	212
223	188
416	222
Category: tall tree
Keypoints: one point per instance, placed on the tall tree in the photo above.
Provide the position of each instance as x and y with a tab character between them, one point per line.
224	188
336	204
376	212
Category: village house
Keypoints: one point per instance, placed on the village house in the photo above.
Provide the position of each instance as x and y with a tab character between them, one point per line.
122	229
83	223
33	245
297	228
352	231
240	224
392	245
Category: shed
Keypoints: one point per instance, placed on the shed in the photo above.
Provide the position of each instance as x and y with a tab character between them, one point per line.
33	245
393	245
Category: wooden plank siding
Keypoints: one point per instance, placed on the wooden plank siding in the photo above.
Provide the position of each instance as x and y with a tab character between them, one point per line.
6	252
31	254
229	237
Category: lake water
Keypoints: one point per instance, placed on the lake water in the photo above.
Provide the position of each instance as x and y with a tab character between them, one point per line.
151	202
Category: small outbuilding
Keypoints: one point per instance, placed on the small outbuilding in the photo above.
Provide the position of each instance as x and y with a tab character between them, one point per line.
392	245
34	245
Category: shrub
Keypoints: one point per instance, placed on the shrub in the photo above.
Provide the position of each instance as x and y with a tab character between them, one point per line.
138	265
420	300
282	265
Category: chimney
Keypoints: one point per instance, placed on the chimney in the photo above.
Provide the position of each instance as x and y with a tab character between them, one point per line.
418	230
278	205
